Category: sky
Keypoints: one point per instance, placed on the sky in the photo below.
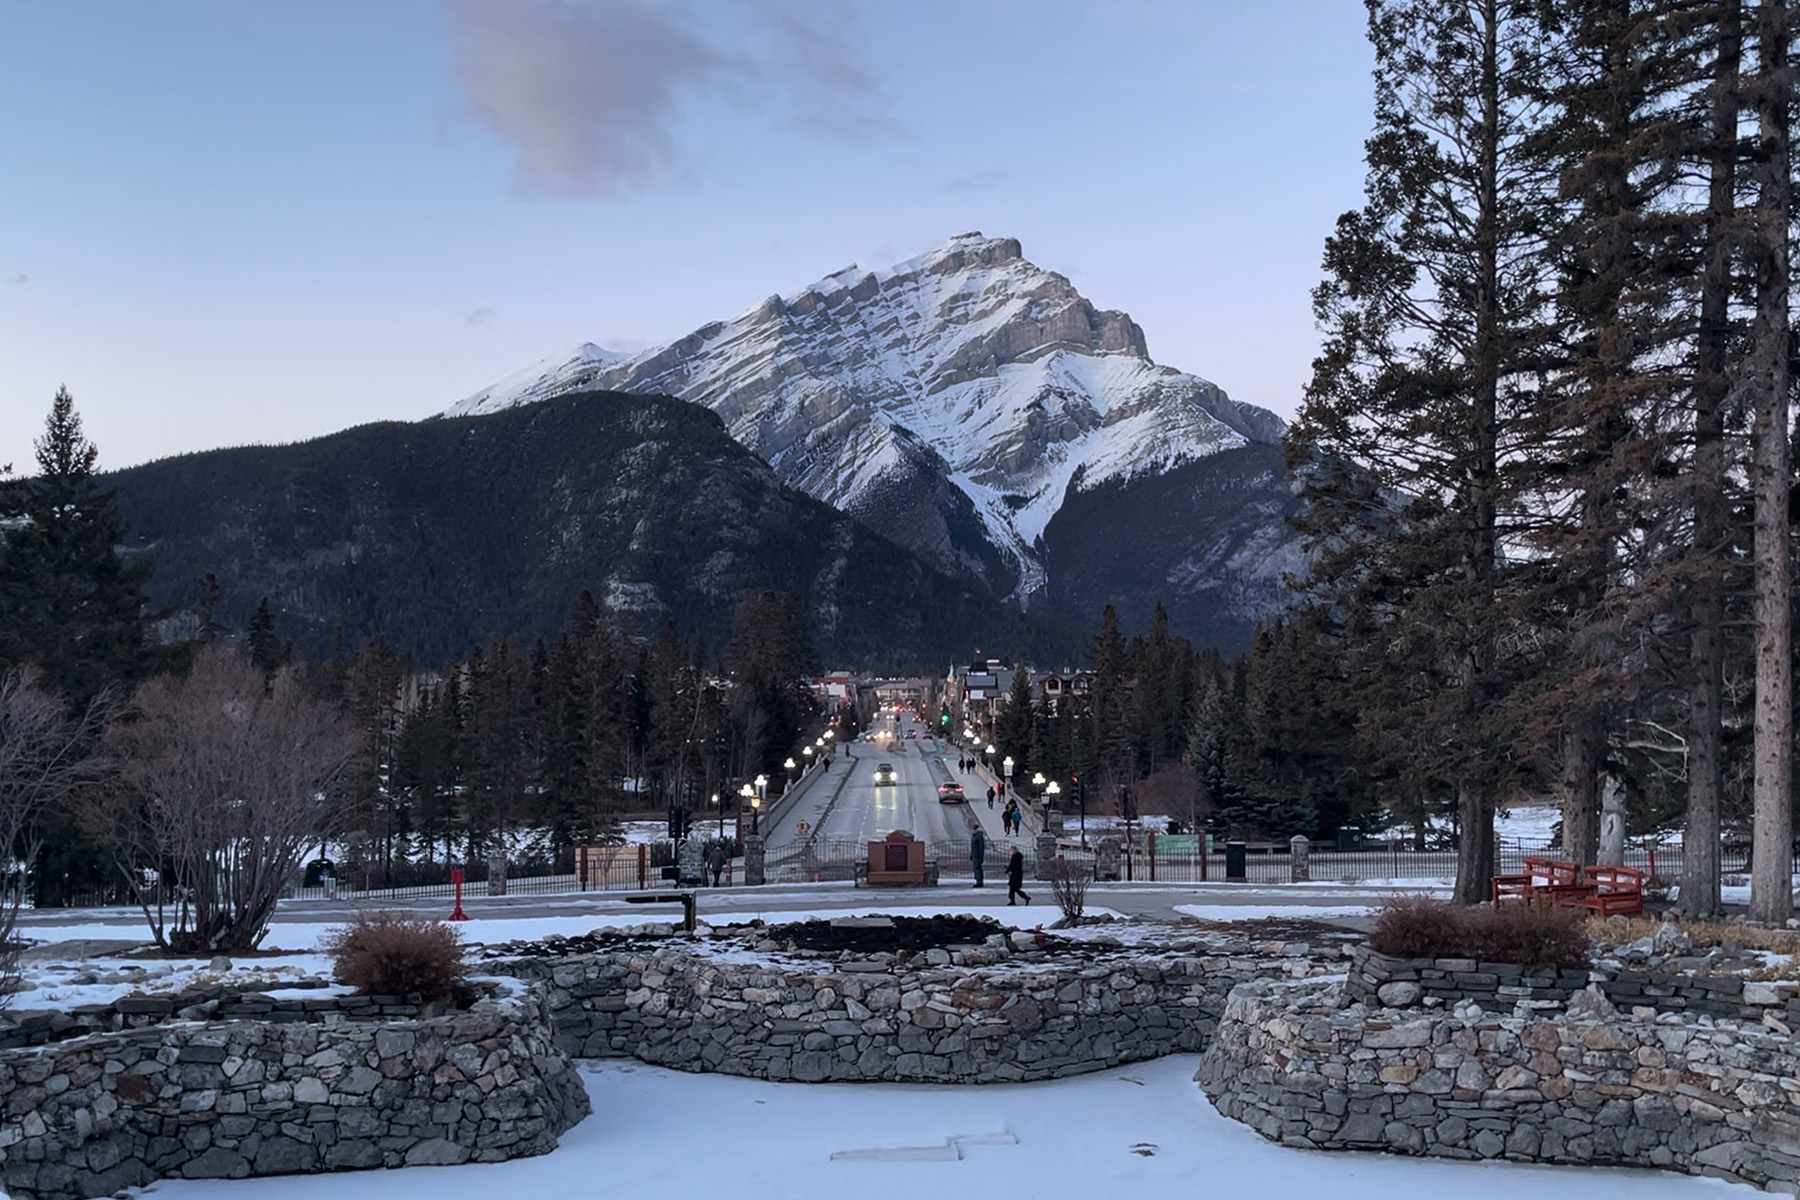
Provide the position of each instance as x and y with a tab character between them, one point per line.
224	223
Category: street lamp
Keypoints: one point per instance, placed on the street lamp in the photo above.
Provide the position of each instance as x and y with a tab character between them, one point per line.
721	808
755	806
1051	791
987	756
789	765
1006	769
1037	781
807	752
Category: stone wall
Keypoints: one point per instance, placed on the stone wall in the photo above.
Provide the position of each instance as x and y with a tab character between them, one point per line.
1590	1086
1003	1012
234	1098
1376	979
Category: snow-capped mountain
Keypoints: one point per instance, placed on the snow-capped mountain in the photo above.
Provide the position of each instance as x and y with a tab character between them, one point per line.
953	402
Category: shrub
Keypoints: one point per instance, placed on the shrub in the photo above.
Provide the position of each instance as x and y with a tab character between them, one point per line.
384	953
1069	884
1418	927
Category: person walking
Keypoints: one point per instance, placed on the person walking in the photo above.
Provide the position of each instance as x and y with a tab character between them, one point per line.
716	858
990	797
1015	877
977	853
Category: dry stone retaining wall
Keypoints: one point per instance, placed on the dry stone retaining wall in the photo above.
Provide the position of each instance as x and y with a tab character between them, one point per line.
975	1015
1376	980
235	1098
1588	1087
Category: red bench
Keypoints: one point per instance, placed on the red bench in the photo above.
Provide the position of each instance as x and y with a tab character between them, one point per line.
1614	891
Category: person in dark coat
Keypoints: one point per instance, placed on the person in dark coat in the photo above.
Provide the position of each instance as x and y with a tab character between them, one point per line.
990	797
716	858
977	853
1015	877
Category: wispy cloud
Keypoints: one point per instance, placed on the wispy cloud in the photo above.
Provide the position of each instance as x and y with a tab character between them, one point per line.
478	316
589	94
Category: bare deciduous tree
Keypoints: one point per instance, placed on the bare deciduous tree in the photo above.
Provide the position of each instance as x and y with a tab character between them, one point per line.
44	755
222	784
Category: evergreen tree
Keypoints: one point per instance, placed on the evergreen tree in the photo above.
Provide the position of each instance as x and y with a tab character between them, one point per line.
1432	308
69	603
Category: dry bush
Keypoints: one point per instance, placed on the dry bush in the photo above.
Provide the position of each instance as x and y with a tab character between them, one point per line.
383	953
1419	927
1069	884
1534	937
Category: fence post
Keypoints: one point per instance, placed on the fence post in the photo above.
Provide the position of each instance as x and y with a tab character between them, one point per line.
1150	853
643	866
1299	870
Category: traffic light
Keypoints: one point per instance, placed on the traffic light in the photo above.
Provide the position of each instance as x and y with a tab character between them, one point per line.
674	823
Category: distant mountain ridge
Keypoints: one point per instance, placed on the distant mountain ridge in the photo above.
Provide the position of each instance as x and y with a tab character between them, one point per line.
955	403
437	534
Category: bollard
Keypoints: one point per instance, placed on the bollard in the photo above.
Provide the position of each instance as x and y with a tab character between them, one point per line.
456	879
1234	862
1299	870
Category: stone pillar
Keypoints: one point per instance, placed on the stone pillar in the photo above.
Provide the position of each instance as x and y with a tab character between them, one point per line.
753	859
1106	858
1046	855
1612	822
1298	848
497	875
1053	821
690	863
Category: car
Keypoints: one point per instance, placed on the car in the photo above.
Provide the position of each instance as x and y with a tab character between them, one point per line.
884	774
912	733
951	793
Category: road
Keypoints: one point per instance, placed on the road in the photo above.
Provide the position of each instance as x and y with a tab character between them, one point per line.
852	807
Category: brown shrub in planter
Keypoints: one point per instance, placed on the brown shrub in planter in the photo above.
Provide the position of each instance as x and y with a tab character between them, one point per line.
1418	927
384	953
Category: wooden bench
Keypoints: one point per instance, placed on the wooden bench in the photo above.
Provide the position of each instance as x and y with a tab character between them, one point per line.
1552	882
1614	891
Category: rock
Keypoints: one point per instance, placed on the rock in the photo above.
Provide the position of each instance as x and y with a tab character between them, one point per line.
220	962
1398	994
1591	1002
438	1152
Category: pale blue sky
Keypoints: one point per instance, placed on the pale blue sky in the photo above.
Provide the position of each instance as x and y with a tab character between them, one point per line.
225	222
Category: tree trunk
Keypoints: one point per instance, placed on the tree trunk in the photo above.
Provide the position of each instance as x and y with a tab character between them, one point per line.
1474	845
1771	871
1706	607
1581	788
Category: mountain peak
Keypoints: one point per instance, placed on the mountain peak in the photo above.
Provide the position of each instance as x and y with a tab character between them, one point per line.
952	400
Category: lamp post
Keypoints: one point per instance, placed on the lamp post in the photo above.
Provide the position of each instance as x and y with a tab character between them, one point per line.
1037	781
806	753
789	765
721	808
1051	791
987	756
755	806
1006	769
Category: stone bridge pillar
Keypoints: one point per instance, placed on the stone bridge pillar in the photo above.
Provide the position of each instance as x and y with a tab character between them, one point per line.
753	859
1299	847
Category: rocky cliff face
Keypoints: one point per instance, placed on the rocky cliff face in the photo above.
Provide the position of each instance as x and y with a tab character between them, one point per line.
954	402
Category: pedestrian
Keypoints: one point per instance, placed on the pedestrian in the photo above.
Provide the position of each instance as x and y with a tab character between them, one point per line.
716	858
977	853
1015	877
990	797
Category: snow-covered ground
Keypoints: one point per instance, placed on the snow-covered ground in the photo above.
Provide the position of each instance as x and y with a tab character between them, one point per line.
1141	1131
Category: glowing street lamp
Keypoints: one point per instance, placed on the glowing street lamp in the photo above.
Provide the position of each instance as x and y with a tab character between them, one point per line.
987	756
789	766
1006	769
755	806
807	752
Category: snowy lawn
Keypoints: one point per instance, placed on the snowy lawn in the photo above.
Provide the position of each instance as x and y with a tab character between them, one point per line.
1143	1131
